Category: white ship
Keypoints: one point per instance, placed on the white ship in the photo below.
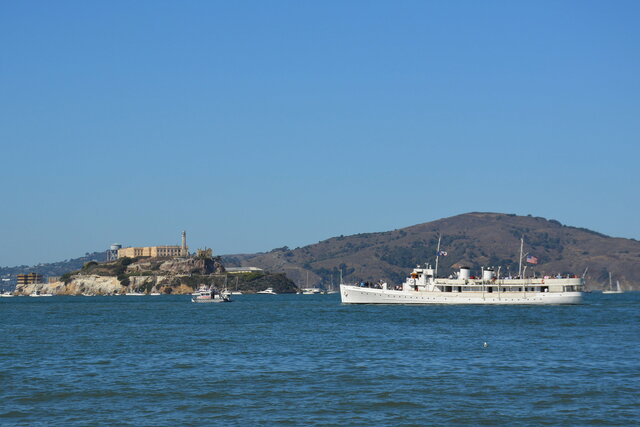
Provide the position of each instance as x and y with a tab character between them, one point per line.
423	287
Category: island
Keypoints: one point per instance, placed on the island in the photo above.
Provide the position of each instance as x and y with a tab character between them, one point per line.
164	275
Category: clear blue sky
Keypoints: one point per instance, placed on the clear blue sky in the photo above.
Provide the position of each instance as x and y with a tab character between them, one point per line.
259	124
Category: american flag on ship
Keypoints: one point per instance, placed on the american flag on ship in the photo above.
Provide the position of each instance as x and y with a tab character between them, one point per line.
532	260
442	253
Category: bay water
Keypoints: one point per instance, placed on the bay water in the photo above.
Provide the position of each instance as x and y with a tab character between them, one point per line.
308	359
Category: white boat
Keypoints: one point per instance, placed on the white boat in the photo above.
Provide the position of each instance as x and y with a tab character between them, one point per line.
39	294
307	290
201	289
211	295
6	294
611	289
423	287
236	292
332	289
134	294
155	294
268	291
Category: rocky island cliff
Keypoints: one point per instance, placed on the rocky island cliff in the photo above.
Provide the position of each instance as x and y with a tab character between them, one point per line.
162	275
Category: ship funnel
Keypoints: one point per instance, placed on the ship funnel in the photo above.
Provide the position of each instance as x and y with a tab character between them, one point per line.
465	273
488	274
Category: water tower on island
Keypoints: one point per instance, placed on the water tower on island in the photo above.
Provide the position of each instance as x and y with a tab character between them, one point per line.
112	252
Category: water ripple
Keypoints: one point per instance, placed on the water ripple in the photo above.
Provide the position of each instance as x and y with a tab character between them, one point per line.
310	360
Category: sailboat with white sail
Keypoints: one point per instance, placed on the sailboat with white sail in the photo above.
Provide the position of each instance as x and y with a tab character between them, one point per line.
611	289
236	291
310	291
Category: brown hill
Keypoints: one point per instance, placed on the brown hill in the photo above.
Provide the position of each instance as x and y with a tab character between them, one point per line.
473	239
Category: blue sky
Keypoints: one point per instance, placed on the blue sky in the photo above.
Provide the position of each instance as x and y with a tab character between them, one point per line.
258	124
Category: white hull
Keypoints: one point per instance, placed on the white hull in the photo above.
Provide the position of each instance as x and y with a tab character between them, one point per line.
209	300
359	295
613	290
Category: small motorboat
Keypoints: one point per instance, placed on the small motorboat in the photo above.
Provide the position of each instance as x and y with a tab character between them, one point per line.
268	291
40	294
211	295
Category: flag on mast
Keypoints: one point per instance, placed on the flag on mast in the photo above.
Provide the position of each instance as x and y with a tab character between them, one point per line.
442	253
532	260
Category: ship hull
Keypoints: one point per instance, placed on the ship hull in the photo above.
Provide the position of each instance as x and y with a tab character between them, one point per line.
360	295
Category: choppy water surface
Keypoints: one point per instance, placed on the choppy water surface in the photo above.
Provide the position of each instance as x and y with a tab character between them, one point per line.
307	359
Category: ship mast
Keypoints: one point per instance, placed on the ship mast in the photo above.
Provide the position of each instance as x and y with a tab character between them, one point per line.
437	255
520	262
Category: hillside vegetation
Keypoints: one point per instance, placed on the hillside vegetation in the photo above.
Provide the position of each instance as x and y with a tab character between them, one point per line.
473	239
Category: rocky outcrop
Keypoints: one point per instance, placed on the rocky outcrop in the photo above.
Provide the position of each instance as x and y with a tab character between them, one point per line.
153	275
92	284
202	266
107	285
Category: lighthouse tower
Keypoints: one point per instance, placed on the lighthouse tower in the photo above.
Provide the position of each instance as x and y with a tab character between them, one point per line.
184	251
